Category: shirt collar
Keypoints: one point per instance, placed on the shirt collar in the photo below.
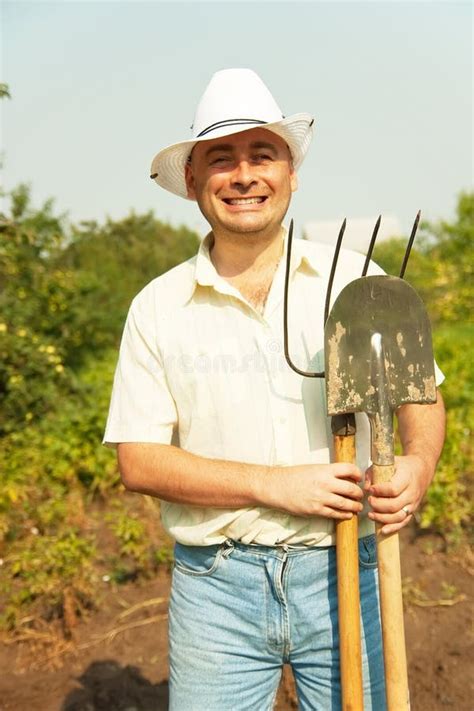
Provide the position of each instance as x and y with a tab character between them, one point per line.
205	273
302	252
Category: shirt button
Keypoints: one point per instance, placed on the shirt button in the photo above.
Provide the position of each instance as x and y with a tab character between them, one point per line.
282	420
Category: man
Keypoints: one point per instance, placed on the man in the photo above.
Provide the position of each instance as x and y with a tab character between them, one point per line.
208	417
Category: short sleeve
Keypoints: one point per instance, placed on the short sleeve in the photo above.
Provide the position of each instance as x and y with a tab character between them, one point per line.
439	375
142	408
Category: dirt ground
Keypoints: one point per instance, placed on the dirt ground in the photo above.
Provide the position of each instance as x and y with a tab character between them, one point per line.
117	658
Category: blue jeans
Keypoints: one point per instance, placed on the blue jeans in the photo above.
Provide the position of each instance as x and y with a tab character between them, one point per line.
239	612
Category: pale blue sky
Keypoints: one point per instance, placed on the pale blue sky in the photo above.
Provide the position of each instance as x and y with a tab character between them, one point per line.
99	87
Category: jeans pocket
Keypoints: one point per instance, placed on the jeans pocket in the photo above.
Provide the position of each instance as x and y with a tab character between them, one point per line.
197	560
368	552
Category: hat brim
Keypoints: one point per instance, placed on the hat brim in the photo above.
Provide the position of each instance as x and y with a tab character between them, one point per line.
167	168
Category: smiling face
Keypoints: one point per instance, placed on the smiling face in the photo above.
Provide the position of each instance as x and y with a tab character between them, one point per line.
243	182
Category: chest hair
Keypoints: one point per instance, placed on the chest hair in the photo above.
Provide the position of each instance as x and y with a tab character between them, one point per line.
255	287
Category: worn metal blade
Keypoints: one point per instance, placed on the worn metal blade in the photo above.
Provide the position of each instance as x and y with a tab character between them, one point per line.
390	307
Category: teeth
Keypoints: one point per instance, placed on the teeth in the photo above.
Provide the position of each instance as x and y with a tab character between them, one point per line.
245	201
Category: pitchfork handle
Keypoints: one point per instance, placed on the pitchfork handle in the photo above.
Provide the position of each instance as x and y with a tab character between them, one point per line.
347	552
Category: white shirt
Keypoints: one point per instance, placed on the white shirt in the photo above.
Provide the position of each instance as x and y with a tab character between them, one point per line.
200	368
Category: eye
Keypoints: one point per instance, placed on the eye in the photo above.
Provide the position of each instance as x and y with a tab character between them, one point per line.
263	157
220	160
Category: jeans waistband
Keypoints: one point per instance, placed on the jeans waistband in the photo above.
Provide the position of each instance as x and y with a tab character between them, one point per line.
230	543
276	550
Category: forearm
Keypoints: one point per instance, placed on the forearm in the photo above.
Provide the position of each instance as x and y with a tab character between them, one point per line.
172	474
422	432
422	429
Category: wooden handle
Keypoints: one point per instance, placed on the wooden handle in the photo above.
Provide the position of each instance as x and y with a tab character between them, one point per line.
347	552
391	609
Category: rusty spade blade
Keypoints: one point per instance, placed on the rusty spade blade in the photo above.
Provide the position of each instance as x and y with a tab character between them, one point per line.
378	354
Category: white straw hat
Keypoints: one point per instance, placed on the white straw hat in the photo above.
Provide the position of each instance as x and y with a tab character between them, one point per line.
235	100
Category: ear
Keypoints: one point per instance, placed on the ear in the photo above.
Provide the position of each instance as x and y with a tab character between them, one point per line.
189	178
293	180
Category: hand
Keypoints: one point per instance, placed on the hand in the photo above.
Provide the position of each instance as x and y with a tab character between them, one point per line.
394	503
328	490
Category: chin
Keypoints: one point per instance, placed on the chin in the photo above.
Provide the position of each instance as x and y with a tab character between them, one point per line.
247	224
248	228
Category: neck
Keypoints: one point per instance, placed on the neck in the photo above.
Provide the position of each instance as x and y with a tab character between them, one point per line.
246	253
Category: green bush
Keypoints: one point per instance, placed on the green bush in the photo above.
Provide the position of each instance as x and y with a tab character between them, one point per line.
441	270
448	506
441	267
31	377
64	293
45	463
131	534
42	570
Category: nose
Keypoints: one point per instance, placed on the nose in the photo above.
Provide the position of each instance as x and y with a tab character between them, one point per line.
242	175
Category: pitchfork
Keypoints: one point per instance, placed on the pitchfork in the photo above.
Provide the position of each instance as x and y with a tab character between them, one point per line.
343	427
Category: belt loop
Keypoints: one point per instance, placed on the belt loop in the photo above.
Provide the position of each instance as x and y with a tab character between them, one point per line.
228	547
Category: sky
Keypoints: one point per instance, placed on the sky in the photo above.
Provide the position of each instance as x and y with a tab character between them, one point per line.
99	87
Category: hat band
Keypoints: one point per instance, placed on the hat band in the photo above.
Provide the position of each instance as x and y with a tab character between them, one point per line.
229	122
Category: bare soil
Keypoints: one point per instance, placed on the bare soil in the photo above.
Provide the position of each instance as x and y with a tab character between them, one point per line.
116	658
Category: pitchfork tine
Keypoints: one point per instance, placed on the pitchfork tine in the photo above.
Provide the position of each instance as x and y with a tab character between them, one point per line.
333	269
286	349
371	246
410	244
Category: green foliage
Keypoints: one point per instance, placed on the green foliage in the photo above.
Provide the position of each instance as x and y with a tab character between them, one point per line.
125	255
131	534
64	295
4	91
43	569
43	323
452	253
31	375
64	292
50	562
139	549
58	457
441	269
163	556
448	506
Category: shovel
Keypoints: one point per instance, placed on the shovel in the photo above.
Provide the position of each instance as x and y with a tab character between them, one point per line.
379	356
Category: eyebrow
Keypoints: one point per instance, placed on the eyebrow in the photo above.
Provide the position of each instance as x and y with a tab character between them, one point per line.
228	147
